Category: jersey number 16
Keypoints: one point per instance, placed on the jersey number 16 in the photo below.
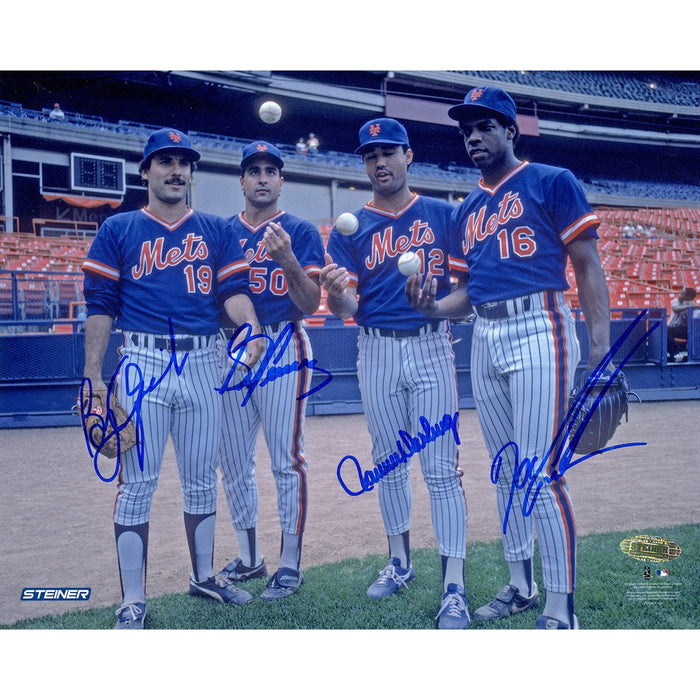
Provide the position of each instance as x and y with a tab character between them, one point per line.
521	242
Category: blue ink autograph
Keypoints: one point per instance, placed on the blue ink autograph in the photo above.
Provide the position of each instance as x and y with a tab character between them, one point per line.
109	427
527	473
267	369
413	445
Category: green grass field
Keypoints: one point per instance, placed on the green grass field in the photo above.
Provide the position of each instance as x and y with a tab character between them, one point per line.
611	594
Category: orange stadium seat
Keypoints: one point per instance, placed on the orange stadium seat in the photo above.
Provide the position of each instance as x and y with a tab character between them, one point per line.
33	300
6	300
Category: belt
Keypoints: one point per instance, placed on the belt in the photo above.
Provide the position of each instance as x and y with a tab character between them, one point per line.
182	343
404	333
267	328
508	307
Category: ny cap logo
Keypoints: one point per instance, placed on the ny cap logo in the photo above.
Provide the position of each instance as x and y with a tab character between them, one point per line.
476	94
174	136
261	147
374	129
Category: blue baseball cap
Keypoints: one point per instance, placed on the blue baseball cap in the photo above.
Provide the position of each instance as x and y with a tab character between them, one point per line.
261	148
378	131
169	138
481	99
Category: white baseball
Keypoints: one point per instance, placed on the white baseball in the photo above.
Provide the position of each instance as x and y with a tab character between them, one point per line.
409	264
270	112
347	223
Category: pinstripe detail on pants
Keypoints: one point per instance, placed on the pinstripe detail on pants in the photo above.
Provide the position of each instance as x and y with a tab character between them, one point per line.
522	368
183	406
402	380
559	487
277	408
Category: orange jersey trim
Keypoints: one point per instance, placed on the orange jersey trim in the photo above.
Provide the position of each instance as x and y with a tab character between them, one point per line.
394	215
170	226
99	268
504	179
252	228
578	227
457	265
312	269
232	269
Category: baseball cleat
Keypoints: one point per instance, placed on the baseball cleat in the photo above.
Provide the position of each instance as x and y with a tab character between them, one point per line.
282	583
453	613
545	622
131	616
508	602
220	589
390	580
237	572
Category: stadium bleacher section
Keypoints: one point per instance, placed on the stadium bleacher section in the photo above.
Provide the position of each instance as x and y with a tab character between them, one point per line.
455	174
647	254
642	87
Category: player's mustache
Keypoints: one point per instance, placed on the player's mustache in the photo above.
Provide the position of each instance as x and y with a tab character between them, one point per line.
175	181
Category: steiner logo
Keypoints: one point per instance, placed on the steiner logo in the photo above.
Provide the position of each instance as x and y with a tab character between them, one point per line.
55	594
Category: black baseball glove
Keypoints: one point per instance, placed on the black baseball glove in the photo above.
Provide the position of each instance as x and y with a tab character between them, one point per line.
596	409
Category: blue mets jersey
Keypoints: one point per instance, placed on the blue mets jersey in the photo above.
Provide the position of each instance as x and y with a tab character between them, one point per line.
371	257
142	271
268	284
511	238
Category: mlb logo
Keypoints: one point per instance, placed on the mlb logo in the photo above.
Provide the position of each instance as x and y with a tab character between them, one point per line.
662	572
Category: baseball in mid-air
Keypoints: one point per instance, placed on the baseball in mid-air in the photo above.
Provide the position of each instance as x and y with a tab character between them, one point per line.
409	264
347	223
270	112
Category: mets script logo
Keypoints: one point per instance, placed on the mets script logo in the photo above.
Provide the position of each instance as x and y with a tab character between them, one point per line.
174	136
153	256
374	129
478	228
261	147
385	246
257	254
476	94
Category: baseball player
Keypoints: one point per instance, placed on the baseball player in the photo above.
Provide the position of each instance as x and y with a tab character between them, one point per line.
406	366
162	273
285	255
513	234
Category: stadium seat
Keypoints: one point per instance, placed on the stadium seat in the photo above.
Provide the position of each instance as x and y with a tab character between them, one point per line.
33	300
7	311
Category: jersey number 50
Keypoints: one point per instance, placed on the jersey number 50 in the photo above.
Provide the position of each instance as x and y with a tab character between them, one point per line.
259	283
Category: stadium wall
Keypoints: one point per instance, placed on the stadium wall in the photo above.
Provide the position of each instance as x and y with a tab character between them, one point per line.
40	374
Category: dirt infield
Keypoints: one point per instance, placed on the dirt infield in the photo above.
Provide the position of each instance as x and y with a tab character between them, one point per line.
57	526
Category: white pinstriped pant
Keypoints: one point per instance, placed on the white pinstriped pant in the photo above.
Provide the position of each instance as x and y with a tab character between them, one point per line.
522	370
402	380
188	408
275	407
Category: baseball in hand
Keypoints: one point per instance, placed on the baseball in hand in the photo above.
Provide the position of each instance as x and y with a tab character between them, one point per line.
409	264
270	112
347	223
